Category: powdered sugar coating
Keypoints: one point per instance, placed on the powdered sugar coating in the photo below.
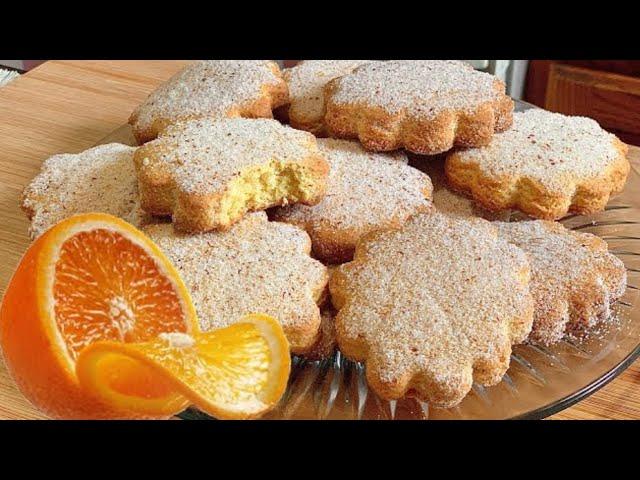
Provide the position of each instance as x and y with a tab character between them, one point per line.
433	306
101	179
306	83
365	191
421	88
255	267
214	88
553	149
574	279
204	155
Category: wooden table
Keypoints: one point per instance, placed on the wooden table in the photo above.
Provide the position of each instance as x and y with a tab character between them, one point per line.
68	106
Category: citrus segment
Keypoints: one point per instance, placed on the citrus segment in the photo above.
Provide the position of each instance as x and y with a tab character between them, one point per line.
91	277
236	372
108	288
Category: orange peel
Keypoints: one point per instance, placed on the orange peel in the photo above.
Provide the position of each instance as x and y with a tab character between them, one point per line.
236	372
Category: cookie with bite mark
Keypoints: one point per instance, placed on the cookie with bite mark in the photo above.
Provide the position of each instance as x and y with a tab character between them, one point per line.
424	106
214	89
365	192
547	165
433	307
208	174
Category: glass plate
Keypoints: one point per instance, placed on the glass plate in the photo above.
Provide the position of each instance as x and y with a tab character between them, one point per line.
540	381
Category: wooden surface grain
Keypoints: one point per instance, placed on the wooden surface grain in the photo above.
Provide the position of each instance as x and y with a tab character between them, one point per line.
68	106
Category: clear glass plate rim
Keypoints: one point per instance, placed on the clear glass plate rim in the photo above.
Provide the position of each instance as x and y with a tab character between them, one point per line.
583	393
537	414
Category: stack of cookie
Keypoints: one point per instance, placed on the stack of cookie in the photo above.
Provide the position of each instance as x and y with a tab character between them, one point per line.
428	294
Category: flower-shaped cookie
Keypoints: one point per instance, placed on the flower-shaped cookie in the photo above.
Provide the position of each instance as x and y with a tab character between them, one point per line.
256	267
211	88
306	83
101	179
209	173
425	106
546	165
432	307
365	192
574	278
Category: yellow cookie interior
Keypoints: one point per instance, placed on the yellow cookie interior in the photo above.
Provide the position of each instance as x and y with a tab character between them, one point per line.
264	186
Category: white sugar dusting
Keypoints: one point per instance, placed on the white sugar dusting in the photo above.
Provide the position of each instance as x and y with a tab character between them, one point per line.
204	155
365	191
209	87
550	148
574	279
306	83
101	179
256	266
421	88
436	297
446	200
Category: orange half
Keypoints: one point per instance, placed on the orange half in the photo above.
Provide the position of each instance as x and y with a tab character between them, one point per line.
90	278
233	373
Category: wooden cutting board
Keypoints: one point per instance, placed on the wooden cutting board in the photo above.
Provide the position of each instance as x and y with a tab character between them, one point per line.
69	106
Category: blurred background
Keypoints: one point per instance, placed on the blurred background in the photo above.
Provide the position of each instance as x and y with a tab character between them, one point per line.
606	90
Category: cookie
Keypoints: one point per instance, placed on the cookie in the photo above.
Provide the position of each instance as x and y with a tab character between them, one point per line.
424	106
446	200
433	307
574	279
101	179
306	83
546	165
256	267
326	344
207	174
450	203
211	88
365	191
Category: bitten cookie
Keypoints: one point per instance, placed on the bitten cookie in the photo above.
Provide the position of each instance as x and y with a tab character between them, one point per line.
256	267
574	279
546	165
433	307
365	191
424	106
306	83
211	88
209	173
101	179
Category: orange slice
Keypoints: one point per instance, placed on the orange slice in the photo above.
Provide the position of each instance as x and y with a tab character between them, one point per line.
236	372
90	278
